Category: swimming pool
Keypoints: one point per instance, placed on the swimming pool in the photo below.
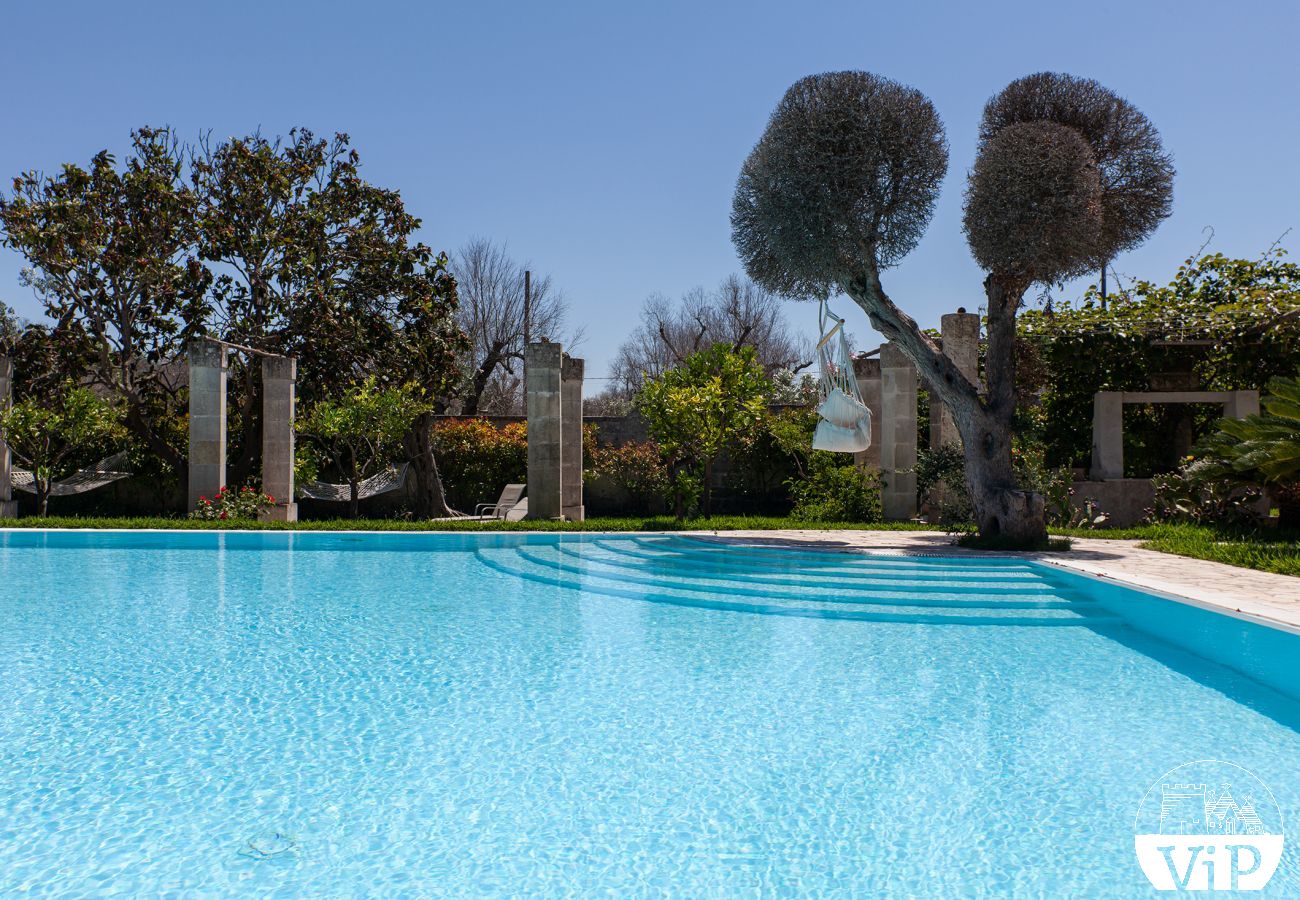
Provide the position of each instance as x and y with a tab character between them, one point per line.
348	714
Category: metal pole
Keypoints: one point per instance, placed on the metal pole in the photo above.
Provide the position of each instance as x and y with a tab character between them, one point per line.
528	321
1103	286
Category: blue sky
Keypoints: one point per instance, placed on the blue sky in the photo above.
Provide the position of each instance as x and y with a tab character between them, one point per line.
602	140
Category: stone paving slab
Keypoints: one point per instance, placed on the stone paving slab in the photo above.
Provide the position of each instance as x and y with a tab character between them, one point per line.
1246	593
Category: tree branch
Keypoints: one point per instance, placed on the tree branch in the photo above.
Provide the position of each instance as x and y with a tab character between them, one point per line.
949	382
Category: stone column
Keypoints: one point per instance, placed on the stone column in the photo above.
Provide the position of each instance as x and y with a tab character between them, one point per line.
543	362
1107	435
279	382
960	332
866	370
207	464
8	505
897	433
571	502
1241	404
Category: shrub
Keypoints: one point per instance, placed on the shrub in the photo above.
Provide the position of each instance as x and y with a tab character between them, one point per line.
941	484
636	468
1057	487
477	459
1200	494
836	492
246	503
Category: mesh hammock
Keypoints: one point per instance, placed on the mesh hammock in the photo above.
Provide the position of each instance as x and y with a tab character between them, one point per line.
391	479
91	478
845	425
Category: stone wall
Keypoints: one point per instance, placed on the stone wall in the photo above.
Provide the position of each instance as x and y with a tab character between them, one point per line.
1124	500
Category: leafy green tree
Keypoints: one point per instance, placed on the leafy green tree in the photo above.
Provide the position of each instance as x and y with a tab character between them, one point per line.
715	399
278	245
111	256
318	263
361	430
844	181
50	434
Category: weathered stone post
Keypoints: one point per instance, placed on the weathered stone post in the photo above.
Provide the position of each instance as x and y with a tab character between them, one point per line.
207	463
8	505
571	503
960	332
543	363
897	433
279	382
1241	404
867	372
1107	435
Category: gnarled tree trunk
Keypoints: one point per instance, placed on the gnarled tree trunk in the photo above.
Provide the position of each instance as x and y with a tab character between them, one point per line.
1002	508
430	498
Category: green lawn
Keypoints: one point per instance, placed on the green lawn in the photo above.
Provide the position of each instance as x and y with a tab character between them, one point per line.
1269	551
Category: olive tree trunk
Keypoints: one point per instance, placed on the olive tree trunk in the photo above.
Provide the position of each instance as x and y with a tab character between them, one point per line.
430	500
1002	508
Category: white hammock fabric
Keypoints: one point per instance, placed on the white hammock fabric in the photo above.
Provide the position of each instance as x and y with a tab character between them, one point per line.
391	479
837	439
840	409
845	425
91	478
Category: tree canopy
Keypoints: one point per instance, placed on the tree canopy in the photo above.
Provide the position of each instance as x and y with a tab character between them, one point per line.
843	181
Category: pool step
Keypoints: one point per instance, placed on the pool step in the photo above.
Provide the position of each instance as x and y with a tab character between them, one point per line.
823	581
685	551
881	591
524	563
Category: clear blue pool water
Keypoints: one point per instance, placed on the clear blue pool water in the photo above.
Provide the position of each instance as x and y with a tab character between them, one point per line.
422	714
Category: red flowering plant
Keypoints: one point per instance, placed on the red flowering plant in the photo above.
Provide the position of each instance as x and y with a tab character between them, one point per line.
246	503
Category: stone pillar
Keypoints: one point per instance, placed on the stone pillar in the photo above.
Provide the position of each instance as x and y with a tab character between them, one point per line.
1107	436
960	332
279	381
8	505
897	433
1241	404
866	370
571	503
543	362
207	464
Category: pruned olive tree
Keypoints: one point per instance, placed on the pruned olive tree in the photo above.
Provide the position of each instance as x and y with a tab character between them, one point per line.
842	185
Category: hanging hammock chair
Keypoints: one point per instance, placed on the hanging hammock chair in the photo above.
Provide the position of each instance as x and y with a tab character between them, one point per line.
391	479
845	425
91	478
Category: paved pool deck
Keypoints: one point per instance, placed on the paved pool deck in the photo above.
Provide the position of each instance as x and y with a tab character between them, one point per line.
1246	593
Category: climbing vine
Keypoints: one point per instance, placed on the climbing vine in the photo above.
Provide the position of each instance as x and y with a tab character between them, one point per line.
1231	323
